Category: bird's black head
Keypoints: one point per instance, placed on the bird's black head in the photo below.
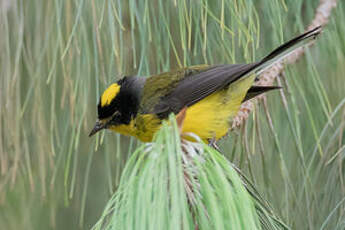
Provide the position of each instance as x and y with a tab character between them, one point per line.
118	104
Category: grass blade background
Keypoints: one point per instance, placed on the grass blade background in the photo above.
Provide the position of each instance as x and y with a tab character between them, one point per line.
58	56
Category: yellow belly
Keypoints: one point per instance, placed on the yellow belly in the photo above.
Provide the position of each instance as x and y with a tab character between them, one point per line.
209	118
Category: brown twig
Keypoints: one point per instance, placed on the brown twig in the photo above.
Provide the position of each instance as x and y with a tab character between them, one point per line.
322	15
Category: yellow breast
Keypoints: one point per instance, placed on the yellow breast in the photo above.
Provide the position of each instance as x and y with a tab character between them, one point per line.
143	127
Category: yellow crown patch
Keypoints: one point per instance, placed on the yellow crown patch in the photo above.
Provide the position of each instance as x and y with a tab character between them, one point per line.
109	94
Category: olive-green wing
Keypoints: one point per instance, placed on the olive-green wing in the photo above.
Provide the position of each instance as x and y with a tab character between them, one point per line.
188	87
158	86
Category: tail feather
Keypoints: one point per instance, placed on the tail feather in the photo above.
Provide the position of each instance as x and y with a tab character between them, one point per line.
293	44
284	50
257	90
274	57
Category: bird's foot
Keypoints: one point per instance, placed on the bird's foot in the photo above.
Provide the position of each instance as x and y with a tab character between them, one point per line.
213	143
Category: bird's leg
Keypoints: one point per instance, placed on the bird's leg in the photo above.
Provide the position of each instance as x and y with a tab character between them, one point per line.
213	143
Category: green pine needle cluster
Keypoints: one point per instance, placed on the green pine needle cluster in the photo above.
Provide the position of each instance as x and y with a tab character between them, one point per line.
172	185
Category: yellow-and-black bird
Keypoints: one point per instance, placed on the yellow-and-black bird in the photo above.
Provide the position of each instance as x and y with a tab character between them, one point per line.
212	96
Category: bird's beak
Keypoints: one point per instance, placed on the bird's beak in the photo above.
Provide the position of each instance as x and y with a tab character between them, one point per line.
98	126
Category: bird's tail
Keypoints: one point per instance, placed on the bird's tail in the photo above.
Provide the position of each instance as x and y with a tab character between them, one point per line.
256	90
284	50
275	56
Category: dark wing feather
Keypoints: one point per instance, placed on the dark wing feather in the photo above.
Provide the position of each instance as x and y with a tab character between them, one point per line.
197	86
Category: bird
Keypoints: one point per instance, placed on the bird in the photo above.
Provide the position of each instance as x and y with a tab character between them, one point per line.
211	96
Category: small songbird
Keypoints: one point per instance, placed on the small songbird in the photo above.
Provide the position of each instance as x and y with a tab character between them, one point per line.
210	94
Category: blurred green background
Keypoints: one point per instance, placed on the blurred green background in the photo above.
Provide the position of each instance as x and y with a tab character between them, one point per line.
56	57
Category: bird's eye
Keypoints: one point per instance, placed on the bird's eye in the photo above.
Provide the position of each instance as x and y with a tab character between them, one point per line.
114	119
116	114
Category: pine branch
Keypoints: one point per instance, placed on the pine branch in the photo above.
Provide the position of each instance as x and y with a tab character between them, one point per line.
322	15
